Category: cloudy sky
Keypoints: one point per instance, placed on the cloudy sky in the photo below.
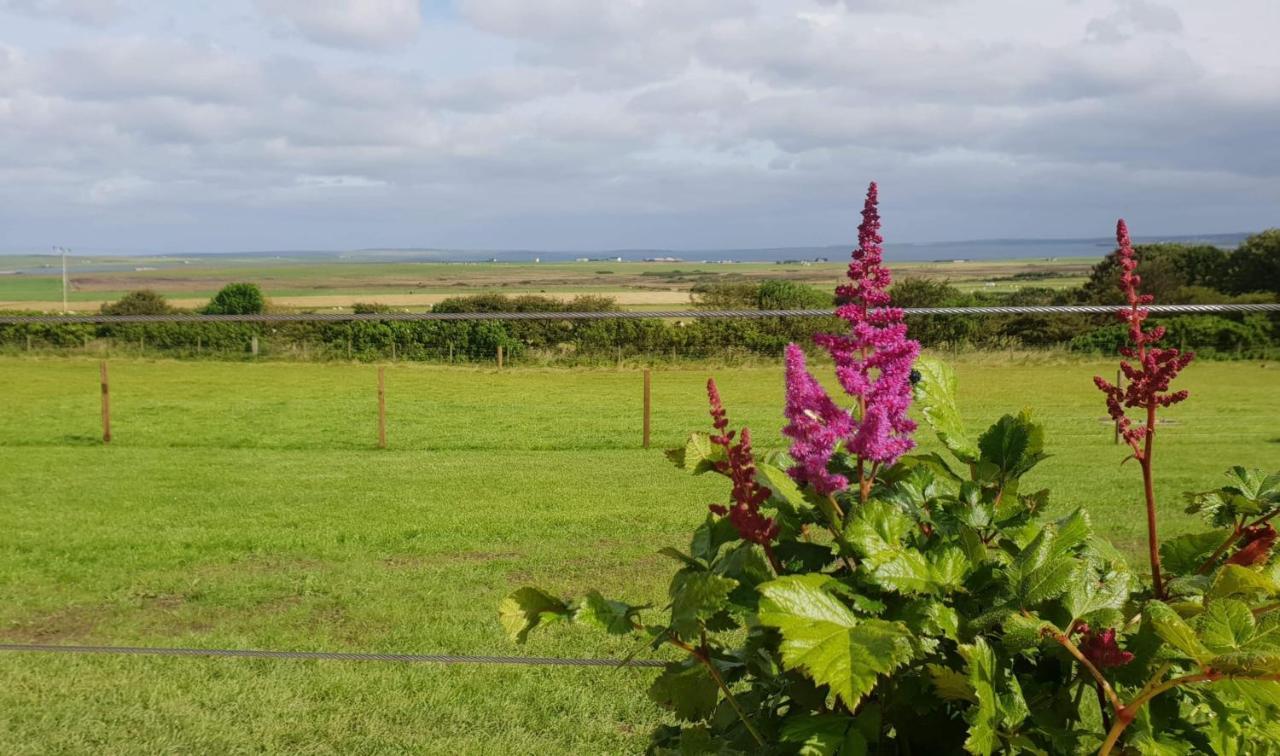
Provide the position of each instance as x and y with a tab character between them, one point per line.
159	125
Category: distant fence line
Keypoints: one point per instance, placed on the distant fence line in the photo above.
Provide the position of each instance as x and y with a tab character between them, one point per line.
341	317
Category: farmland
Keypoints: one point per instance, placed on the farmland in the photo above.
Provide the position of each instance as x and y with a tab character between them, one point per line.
244	505
306	283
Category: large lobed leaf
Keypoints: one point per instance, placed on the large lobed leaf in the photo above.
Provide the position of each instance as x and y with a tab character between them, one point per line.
826	640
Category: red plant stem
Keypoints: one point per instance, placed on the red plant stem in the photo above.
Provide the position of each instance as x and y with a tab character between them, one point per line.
1231	540
1104	687
773	558
704	657
1153	540
1127	714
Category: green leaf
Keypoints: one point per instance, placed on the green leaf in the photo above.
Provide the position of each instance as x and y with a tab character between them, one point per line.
936	393
713	533
699	455
1022	633
1174	631
1235	580
832	645
695	597
782	486
1013	445
1000	702
1184	555
525	609
1095	596
1041	571
931	618
951	684
824	735
614	617
876	531
1242	644
906	572
687	690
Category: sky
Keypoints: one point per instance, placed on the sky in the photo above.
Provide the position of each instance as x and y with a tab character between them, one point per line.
176	126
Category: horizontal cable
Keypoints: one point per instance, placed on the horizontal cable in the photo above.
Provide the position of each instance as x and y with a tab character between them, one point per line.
540	661
342	317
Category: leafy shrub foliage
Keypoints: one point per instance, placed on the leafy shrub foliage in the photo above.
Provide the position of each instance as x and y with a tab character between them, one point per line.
843	603
237	299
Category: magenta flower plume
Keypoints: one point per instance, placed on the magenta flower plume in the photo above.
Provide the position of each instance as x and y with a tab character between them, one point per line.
740	466
1156	367
816	426
873	362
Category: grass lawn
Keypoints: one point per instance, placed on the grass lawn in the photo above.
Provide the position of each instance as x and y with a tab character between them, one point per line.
244	505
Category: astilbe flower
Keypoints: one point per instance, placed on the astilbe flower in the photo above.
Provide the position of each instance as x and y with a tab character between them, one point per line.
1101	649
740	466
873	365
1255	545
816	423
1149	379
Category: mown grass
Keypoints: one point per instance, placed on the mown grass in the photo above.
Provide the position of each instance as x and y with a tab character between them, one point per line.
244	505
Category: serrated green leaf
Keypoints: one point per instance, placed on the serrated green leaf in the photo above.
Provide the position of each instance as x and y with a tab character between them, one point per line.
951	684
823	735
781	485
1175	632
876	530
712	534
525	609
699	455
948	567
1235	580
1013	445
906	572
695	597
1096	597
936	394
614	617
928	617
1184	554
1041	571
998	699
1022	633
826	640
687	690
1241	644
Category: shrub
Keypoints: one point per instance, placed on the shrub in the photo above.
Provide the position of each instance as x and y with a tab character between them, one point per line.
237	299
855	598
141	302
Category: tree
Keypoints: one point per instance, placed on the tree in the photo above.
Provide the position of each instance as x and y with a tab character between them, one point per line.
141	302
1255	264
1165	269
237	299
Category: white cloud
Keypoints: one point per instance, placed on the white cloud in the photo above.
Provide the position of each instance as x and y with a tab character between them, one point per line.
360	24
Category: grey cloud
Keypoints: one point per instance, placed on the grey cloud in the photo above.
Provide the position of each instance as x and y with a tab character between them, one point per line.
1131	18
86	12
357	24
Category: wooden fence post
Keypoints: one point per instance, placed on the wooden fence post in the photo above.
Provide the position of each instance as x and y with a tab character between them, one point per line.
499	356
450	351
393	350
382	408
647	406
106	402
253	345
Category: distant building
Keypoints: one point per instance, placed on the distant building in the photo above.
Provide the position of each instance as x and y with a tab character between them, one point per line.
659	259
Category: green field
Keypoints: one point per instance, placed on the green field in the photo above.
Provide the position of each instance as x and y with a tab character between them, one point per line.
244	505
325	283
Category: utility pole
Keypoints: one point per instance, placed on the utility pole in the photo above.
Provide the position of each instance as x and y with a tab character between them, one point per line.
63	250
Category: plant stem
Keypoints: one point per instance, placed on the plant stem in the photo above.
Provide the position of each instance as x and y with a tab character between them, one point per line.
834	517
704	657
1153	540
1217	554
1104	687
1127	714
773	558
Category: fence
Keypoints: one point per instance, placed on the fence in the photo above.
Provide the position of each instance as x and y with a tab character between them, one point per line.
610	336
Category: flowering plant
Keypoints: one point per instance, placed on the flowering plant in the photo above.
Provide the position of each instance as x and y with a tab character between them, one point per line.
854	598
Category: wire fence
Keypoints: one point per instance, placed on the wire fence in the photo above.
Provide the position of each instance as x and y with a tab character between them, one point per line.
534	661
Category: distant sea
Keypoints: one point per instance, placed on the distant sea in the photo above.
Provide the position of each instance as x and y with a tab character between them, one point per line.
983	249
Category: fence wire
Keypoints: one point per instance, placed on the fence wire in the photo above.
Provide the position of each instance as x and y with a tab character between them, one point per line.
535	661
338	317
